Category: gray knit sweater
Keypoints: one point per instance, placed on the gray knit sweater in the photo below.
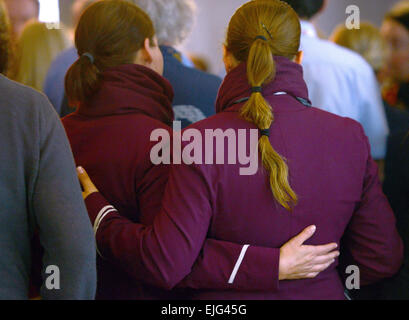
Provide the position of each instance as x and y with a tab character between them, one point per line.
39	189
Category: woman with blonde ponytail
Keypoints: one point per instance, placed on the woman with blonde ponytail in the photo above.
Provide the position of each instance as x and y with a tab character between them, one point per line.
315	175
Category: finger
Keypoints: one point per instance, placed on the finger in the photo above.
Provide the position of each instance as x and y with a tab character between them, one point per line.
80	176
321	267
84	179
322	250
326	258
311	275
304	235
314	268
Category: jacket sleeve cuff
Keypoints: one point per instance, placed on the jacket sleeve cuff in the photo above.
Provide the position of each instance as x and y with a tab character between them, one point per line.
260	268
95	202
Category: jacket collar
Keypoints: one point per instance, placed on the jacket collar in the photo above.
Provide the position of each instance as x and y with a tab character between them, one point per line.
288	79
131	88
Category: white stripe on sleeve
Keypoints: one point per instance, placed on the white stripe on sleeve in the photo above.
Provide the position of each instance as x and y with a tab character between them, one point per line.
102	217
238	263
100	213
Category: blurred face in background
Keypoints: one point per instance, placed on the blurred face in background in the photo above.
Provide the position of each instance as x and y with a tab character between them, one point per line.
397	53
78	7
21	11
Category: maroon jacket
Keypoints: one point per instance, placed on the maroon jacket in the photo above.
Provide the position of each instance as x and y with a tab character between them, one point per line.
331	171
110	138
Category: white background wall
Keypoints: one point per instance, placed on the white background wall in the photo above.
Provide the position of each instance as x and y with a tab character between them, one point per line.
213	16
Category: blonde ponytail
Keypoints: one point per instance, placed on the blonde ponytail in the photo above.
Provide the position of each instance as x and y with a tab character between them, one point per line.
258	31
261	69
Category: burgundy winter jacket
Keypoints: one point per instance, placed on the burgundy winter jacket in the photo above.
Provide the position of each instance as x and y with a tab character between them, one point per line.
331	171
110	138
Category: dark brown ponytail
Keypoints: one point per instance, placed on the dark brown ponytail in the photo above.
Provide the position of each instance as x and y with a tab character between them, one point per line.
108	34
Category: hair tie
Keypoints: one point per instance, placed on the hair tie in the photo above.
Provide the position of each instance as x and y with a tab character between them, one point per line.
266	30
256	89
265	132
89	56
261	37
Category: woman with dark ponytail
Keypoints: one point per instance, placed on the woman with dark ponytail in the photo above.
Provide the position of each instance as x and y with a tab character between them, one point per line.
315	169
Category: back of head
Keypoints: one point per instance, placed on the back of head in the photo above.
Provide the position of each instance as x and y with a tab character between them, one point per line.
173	20
367	41
110	33
399	9
258	31
306	9
5	38
400	13
395	31
37	47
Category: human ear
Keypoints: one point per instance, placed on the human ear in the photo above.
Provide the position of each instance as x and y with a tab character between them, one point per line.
143	55
299	57
229	60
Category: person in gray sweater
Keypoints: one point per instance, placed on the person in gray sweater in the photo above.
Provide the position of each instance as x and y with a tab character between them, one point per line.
40	192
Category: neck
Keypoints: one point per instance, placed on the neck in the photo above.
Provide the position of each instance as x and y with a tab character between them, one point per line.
132	88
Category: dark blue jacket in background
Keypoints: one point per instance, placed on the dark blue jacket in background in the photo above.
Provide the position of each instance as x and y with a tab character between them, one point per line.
195	91
54	82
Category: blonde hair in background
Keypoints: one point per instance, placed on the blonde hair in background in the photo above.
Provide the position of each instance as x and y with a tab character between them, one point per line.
5	39
278	23
399	9
37	47
367	41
